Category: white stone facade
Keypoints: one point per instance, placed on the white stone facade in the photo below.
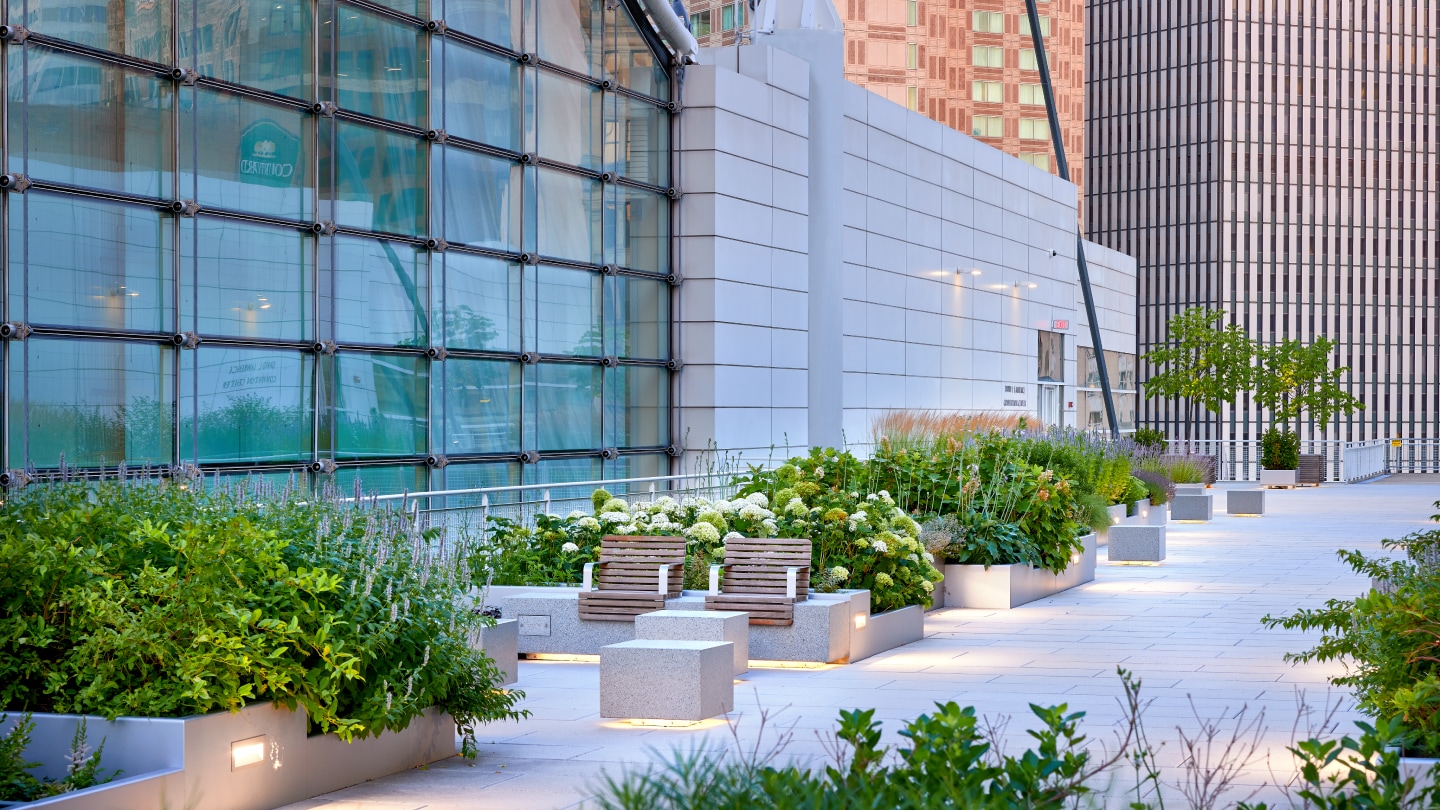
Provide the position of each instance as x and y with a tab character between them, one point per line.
953	256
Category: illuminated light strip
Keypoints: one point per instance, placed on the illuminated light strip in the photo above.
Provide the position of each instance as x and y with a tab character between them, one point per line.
574	658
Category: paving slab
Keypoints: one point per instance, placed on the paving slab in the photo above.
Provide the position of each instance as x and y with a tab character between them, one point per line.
1190	628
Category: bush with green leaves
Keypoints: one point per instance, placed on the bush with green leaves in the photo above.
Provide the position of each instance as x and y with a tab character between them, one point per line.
82	768
1389	638
1179	469
1158	488
1279	449
171	598
1149	439
551	552
1135	491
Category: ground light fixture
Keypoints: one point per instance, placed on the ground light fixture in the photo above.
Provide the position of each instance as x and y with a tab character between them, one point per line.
246	752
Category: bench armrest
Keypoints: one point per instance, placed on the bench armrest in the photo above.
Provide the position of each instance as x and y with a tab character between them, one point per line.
664	580
715	579
587	580
791	574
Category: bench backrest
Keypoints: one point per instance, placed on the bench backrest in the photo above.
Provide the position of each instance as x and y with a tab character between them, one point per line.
758	565
630	563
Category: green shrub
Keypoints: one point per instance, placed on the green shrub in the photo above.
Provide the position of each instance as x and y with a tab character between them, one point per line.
552	552
1160	488
1178	469
1093	511
165	599
1150	439
1136	491
1279	449
1390	637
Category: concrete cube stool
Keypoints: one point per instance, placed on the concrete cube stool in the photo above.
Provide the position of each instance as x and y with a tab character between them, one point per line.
1137	543
700	625
659	679
501	643
1245	502
1192	507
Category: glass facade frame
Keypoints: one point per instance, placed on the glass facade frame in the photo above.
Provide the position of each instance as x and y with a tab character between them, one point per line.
340	219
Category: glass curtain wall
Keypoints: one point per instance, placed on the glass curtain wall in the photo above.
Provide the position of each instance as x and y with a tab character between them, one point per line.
408	241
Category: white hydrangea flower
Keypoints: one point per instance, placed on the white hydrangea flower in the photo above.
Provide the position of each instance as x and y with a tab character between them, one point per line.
929	558
770	525
569	548
660	521
732	536
928	586
796	507
726	507
615	517
839	573
623	529
759	499
912	558
689	503
589	523
879	545
752	512
819	472
885	496
854	496
859	516
872	497
576	515
703	532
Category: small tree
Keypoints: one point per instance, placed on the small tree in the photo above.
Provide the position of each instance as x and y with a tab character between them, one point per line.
1200	363
1295	378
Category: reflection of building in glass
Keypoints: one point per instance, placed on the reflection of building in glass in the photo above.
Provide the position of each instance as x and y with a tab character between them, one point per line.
1280	166
1090	401
368	228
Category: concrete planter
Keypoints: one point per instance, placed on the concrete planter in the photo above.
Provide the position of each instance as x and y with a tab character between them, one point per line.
1192	507
1156	515
1137	511
1278	478
1001	587
1118	512
886	631
502	644
191	761
937	596
1419	770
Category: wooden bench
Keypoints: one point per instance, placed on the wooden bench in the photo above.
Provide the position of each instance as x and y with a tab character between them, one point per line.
763	577
634	575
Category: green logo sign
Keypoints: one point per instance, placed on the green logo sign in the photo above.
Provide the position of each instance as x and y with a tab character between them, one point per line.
269	154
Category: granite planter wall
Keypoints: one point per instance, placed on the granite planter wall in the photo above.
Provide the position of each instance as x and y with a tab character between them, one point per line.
1010	586
502	643
1278	478
206	761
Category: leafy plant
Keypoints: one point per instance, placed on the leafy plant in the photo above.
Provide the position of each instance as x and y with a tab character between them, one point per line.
1135	491
82	768
1201	363
170	598
1093	511
1358	774
1160	488
1279	449
1294	378
1389	637
1179	469
1149	439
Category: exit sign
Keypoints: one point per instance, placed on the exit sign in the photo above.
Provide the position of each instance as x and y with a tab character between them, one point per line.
1059	324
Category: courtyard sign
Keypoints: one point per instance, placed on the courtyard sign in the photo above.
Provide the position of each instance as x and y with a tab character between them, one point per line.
269	154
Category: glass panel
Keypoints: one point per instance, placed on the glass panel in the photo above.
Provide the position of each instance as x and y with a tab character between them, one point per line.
569	121
649	465
263	45
252	156
90	263
638	235
354	481
132	27
482	200
1091	415
1126	372
568	214
380	407
245	405
637	140
482	406
379	178
1125	410
475	476
563	311
88	123
379	289
496	21
561	470
637	318
252	281
570	32
91	403
381	67
482	303
568	398
1089	370
1051	362
415	8
637	399
629	60
482	96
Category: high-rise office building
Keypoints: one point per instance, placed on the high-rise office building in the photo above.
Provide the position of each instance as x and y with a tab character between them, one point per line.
1278	160
968	64
266	236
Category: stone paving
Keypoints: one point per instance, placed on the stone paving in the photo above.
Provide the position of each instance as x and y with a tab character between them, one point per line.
1190	629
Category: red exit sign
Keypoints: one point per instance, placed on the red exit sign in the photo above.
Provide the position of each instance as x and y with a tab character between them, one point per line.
1059	324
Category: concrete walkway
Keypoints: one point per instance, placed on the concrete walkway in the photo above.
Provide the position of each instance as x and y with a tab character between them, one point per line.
1189	628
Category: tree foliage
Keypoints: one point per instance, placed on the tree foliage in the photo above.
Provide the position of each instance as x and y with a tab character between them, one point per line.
1201	362
1295	378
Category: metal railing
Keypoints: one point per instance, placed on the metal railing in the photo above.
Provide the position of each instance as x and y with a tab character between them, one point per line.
1341	462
